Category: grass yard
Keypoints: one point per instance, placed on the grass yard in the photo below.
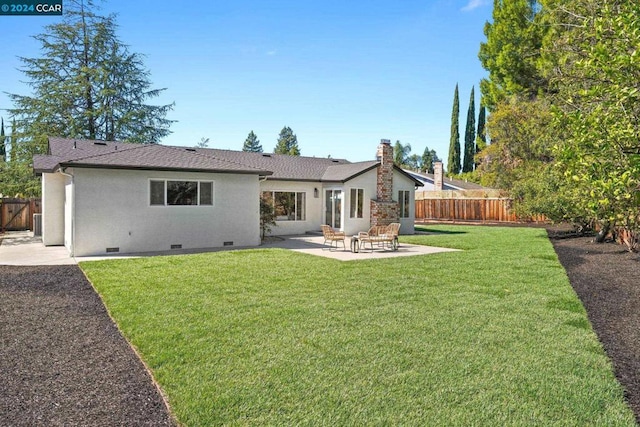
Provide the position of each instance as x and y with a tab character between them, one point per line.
492	335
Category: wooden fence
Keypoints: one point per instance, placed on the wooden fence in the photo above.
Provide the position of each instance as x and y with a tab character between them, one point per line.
479	210
17	214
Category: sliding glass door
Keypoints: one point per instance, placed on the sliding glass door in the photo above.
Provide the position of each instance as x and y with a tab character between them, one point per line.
333	205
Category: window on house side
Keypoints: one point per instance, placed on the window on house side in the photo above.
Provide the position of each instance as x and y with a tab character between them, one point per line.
206	193
157	193
356	203
287	205
180	193
403	201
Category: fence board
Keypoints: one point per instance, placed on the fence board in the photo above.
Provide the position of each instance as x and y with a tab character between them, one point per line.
17	214
483	210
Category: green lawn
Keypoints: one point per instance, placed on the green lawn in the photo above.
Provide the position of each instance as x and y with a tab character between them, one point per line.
493	335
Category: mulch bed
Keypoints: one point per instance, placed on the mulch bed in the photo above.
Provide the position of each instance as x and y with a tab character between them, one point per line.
607	280
62	359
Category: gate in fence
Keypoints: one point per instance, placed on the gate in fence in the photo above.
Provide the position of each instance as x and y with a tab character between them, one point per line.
17	214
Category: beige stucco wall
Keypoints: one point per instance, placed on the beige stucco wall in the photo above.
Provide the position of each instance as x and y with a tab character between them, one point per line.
53	209
313	217
112	210
401	182
366	181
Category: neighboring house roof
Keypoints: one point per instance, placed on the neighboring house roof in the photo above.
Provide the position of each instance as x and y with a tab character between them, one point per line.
64	152
447	183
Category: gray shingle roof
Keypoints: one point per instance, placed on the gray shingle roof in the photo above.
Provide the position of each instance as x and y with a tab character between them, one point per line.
65	152
117	155
344	172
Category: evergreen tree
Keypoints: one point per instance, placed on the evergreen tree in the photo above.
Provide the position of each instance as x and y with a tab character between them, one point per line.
87	84
454	143
401	153
429	158
470	135
3	150
252	144
287	143
512	51
203	143
481	138
13	142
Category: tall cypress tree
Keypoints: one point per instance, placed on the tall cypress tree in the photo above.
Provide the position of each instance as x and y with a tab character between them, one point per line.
454	143
481	138
470	135
287	143
3	150
13	139
252	144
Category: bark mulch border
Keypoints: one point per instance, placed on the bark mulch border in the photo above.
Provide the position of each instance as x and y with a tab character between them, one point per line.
63	361
606	278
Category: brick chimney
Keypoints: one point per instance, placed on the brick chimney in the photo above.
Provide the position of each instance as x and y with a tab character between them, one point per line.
384	188
384	210
438	176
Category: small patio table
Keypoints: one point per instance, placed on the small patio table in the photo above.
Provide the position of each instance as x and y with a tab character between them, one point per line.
355	244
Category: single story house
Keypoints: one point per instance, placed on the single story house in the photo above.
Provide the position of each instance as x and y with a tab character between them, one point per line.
104	197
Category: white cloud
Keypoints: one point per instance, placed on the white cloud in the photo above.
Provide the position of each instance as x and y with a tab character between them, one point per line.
272	52
474	4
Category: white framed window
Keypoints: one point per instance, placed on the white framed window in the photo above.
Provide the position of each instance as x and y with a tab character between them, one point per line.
287	205
172	192
356	202
403	201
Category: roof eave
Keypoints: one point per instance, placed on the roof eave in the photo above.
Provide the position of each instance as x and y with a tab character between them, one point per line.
164	168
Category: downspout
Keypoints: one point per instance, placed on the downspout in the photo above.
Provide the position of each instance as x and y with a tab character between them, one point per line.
73	210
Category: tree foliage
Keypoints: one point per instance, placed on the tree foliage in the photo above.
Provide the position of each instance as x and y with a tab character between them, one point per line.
3	149
470	135
401	154
203	143
454	142
481	137
252	144
596	75
429	158
521	134
87	84
287	143
565	136
512	51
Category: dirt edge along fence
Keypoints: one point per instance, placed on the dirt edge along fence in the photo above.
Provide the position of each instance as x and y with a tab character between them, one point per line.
17	214
469	209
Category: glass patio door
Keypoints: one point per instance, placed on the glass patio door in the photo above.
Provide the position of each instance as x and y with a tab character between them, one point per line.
333	211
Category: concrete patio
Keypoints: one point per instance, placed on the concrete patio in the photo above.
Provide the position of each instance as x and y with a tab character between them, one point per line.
22	248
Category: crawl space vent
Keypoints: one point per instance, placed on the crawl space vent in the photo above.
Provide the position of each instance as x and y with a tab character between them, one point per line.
228	243
112	250
176	246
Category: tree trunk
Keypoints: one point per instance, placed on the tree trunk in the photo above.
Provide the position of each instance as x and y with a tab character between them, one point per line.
604	230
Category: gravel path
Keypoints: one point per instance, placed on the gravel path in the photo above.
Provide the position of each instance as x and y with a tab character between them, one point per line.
607	280
62	359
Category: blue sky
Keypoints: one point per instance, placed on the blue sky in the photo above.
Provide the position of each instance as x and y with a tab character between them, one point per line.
341	74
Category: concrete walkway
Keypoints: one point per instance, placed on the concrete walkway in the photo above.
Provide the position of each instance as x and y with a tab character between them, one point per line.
22	248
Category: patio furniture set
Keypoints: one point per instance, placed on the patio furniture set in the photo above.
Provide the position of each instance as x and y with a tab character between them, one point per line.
382	236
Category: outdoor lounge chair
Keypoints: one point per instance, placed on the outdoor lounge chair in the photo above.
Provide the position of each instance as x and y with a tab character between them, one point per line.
385	236
331	235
